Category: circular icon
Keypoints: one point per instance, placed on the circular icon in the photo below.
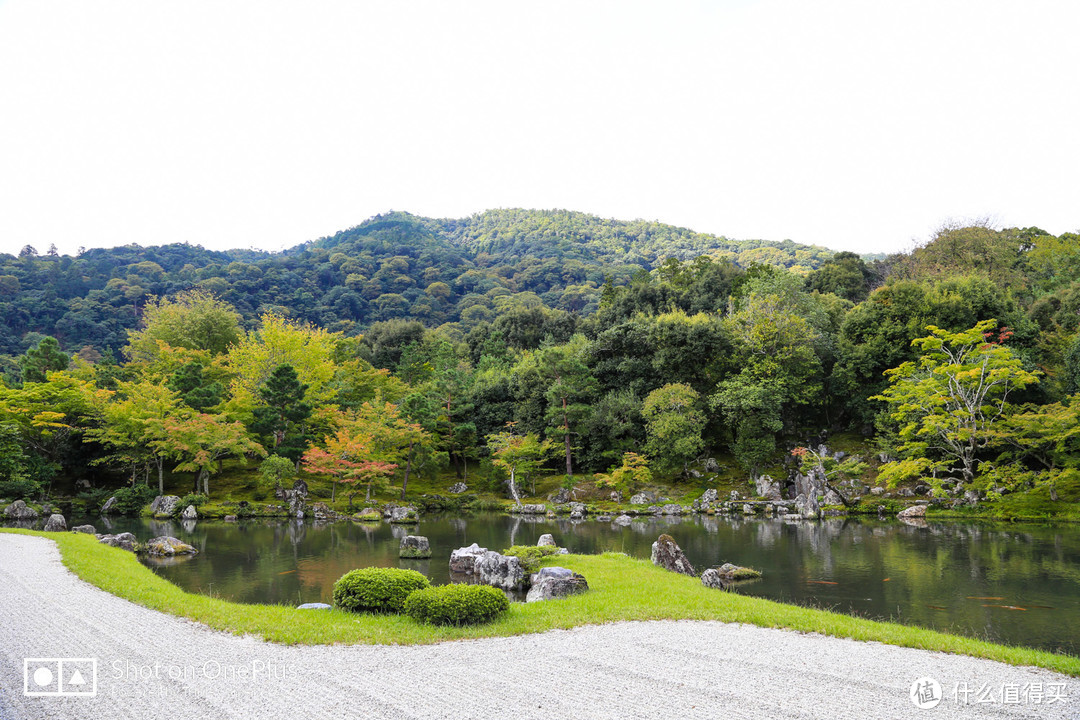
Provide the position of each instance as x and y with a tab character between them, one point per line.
43	676
925	693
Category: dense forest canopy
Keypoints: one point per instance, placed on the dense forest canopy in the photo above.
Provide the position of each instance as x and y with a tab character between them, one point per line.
551	338
456	273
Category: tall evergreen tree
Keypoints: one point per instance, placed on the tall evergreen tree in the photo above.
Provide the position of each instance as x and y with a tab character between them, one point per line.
281	417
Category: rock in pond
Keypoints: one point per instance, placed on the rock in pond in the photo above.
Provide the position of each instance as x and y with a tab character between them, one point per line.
667	554
463	560
501	571
56	523
19	510
721	577
164	505
915	511
314	606
230	518
124	541
168	546
414	546
190	513
88	529
109	506
545	539
623	520
405	515
555	582
529	509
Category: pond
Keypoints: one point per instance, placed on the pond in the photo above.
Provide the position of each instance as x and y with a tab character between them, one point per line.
1015	584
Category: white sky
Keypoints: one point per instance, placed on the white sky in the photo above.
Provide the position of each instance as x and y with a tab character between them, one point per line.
857	125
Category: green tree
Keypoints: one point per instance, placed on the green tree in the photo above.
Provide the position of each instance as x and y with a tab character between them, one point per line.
628	477
274	469
42	359
194	319
949	405
195	388
518	455
674	425
570	389
283	412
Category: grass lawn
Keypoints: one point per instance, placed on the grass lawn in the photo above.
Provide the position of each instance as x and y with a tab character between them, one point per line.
621	588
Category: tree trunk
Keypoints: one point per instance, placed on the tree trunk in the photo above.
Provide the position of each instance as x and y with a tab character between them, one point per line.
408	467
160	475
333	490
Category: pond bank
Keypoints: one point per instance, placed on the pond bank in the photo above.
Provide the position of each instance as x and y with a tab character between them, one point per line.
639	669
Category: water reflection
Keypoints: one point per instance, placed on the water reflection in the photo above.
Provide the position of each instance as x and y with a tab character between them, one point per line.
935	575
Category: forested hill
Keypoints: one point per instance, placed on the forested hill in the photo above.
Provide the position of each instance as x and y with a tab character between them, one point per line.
440	272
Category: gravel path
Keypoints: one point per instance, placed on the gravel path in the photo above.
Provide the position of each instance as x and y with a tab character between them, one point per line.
151	665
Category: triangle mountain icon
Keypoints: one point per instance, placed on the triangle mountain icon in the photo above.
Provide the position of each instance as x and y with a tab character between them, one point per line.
77	679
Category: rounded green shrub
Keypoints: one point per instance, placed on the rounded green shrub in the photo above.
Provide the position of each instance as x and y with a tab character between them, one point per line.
377	589
456	604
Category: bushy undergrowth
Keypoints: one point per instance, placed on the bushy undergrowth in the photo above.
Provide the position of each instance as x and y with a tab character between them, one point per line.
377	589
456	604
131	500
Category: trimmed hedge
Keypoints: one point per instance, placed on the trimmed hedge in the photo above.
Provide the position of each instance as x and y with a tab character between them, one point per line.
377	589
456	604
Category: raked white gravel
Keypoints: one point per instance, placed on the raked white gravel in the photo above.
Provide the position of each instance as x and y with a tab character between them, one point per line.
152	665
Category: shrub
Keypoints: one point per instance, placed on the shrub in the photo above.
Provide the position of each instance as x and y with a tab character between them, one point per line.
131	500
19	488
377	589
196	499
531	555
456	604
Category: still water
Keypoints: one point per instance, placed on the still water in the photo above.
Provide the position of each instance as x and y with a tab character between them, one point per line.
1017	584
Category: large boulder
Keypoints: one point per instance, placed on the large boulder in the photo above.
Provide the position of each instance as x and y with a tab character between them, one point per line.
766	487
807	507
124	541
414	546
501	571
167	546
546	539
56	523
915	511
458	488
667	554
88	529
19	510
164	505
623	520
642	498
709	496
190	513
463	560
673	509
109	507
560	498
555	582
